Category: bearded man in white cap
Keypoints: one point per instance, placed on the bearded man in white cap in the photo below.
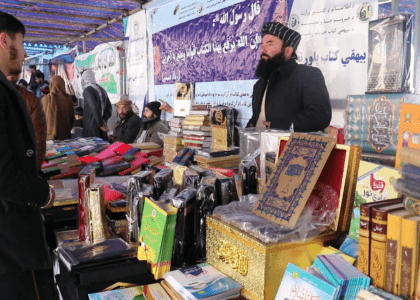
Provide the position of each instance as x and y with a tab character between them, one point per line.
97	108
287	95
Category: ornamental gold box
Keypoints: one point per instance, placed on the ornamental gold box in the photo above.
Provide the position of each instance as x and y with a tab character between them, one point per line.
260	266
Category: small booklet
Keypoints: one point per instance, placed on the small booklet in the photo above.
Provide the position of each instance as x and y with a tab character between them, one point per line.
297	282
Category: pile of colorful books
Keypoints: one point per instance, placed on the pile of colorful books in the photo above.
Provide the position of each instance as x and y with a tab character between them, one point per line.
217	158
200	281
65	159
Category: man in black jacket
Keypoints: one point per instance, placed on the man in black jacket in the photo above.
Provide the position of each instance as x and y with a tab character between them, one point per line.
287	95
23	249
128	127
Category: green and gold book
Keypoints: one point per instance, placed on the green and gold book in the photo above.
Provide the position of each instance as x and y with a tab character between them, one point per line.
156	236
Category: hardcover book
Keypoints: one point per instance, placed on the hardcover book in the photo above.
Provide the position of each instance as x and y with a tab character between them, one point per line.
393	255
294	178
184	98
299	284
409	130
409	256
378	242
374	183
202	281
79	256
364	239
222	127
157	236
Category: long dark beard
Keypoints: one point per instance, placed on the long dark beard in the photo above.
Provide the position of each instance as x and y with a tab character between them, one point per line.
266	67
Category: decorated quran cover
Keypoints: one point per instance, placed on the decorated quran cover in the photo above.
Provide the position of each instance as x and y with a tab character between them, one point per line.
297	282
184	98
294	178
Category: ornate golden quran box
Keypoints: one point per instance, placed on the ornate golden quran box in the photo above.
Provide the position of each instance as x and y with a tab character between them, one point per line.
260	266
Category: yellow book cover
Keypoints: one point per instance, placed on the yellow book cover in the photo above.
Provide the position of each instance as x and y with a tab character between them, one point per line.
196	123
378	242
409	130
197	118
409	255
393	262
156	236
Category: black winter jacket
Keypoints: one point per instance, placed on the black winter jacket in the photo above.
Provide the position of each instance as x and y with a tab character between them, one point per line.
22	193
126	130
296	94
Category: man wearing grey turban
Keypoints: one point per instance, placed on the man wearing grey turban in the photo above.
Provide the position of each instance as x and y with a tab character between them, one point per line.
97	107
287	95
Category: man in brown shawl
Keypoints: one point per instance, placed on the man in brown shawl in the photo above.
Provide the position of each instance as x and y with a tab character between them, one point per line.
59	110
38	118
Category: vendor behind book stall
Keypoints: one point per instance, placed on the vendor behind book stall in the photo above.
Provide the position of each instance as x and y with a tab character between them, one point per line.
287	95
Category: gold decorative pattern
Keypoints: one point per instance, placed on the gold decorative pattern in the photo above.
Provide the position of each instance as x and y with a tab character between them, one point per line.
230	254
233	251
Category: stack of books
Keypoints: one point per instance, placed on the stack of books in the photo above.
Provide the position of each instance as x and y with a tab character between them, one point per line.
175	126
373	293
209	157
341	274
150	292
200	109
300	284
196	123
172	145
200	281
389	246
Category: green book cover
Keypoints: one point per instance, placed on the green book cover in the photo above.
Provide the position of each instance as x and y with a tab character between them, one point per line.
156	236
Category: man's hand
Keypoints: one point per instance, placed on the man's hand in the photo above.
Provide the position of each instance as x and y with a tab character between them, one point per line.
105	127
166	107
266	123
251	125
